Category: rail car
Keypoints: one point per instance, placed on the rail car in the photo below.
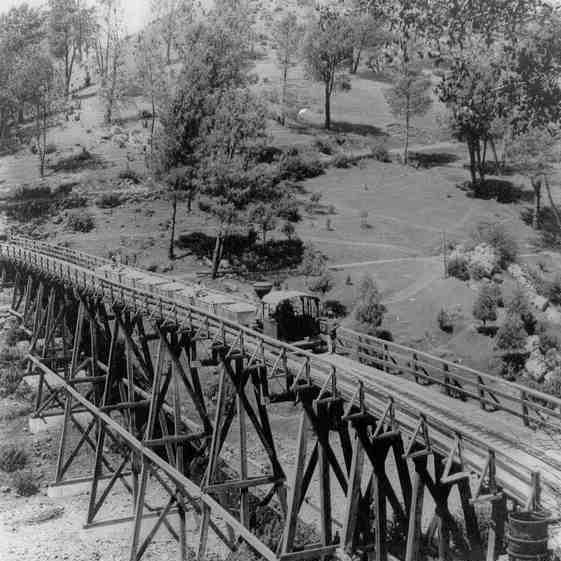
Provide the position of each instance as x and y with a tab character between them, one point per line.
288	315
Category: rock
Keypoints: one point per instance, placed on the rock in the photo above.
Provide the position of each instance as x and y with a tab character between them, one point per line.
539	302
497	277
532	344
553	359
535	366
553	377
5	489
553	315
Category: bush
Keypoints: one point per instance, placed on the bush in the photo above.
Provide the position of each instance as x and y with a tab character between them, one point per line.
445	320
485	306
131	175
25	483
369	308
64	189
549	335
500	239
458	267
75	201
80	221
10	379
342	161
108	200
325	146
28	192
12	458
287	209
322	284
77	162
50	148
15	334
335	308
554	290
511	336
313	261
288	230
381	154
519	304
295	166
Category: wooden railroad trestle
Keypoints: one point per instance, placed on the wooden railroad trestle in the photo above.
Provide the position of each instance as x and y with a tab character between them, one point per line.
138	377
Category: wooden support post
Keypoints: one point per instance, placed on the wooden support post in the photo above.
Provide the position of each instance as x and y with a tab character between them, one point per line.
295	498
413	547
472	527
353	495
244	499
138	510
496	527
325	486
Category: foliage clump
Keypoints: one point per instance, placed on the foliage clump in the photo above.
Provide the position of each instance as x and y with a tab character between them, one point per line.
25	483
369	309
12	458
80	221
498	237
519	304
445	319
485	305
457	266
108	200
511	336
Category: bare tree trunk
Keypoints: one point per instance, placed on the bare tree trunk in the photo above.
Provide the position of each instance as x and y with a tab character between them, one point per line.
472	162
327	107
283	93
553	207
217	254
537	186
356	61
171	253
406	145
495	156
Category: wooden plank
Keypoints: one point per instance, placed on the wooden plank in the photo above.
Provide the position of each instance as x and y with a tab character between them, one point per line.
352	500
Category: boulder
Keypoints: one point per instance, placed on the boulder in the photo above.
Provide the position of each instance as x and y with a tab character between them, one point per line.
532	344
536	367
539	302
553	315
553	359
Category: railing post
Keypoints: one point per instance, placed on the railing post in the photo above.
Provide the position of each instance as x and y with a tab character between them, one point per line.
525	412
447	380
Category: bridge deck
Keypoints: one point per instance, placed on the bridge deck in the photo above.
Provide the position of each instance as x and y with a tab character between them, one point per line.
526	448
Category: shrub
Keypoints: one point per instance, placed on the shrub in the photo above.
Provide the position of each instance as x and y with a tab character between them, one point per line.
131	175
445	320
10	379
75	201
272	256
511	336
77	162
27	211
108	200
288	230
64	189
287	209
549	335
15	334
554	290
369	308
313	261
324	145
27	192
295	166
380	153
364	220
458	267
322	284
500	239
50	148
519	304
342	161
12	458
80	221
335	308
25	483
485	306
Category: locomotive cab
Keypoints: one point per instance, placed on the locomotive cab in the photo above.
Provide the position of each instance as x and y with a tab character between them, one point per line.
294	317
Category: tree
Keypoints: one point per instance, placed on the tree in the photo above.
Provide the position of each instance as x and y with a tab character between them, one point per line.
327	52
230	181
287	34
44	103
70	26
485	305
265	216
168	16
369	309
110	53
408	96
368	32
511	336
533	152
151	73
